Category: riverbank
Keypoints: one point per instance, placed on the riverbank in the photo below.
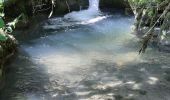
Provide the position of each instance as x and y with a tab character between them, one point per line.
7	50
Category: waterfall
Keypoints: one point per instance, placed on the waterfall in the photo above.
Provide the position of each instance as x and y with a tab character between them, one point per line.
93	5
84	15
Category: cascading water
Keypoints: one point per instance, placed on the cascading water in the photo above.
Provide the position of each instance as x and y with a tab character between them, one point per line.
88	16
94	5
91	12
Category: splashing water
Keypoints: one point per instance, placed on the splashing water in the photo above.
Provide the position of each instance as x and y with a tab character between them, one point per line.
91	12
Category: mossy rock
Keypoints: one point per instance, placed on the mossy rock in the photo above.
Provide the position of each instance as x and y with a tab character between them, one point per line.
113	4
62	7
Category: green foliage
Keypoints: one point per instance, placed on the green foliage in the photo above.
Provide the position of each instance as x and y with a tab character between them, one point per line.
14	22
1	10
4	29
166	22
2	24
151	13
156	12
3	37
145	3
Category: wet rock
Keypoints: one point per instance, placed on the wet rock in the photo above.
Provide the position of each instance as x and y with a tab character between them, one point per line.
61	6
113	4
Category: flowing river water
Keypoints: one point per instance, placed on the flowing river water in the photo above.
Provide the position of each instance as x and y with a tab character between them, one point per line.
92	59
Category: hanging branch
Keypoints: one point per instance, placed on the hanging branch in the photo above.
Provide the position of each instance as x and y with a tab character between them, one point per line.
163	4
68	6
149	34
52	8
40	6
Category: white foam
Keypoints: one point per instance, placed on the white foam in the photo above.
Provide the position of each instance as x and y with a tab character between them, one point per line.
83	15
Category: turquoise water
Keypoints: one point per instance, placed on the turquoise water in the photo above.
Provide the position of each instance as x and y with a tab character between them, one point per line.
96	59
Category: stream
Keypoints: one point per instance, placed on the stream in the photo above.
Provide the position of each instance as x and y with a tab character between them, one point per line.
90	59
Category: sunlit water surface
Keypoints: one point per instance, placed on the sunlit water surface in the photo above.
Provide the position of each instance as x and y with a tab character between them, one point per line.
96	59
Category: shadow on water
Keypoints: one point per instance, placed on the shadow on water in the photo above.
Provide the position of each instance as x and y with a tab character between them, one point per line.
109	81
133	82
106	81
21	78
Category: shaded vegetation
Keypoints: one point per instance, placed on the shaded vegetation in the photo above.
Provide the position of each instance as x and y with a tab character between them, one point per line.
151	14
8	43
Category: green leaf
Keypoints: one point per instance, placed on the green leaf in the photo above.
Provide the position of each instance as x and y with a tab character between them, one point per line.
150	13
2	24
3	37
2	14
